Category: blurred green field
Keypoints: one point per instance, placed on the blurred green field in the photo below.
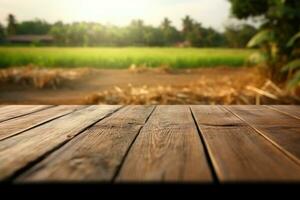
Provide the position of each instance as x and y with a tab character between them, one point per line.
122	57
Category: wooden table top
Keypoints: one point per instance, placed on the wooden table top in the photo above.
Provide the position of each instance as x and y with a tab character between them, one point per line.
182	144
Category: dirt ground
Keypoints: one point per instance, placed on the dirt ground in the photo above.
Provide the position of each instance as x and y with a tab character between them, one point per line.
139	86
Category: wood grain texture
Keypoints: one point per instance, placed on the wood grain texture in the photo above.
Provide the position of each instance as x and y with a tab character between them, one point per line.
13	127
20	151
238	152
167	149
282	130
10	112
293	111
96	154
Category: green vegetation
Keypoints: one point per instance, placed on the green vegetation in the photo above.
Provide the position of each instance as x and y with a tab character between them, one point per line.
293	67
278	37
137	33
122	57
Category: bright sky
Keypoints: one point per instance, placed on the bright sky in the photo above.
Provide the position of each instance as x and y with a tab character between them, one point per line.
213	13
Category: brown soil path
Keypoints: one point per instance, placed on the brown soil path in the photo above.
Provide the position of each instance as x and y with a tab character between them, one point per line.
76	91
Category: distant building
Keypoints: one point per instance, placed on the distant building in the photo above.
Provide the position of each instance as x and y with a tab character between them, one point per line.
30	39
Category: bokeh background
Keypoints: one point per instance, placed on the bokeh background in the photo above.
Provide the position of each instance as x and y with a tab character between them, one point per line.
149	52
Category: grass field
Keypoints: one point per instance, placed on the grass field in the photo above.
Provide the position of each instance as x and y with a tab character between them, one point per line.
121	57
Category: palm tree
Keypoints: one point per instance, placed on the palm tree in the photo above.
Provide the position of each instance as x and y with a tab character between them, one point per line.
166	24
188	24
137	32
12	25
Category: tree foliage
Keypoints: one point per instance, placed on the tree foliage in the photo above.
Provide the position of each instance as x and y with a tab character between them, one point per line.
2	33
137	33
199	36
249	8
280	25
170	34
293	66
35	27
12	25
237	36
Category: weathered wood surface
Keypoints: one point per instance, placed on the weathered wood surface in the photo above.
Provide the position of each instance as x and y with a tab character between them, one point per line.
10	112
97	153
13	127
293	111
238	153
167	149
23	149
279	128
207	144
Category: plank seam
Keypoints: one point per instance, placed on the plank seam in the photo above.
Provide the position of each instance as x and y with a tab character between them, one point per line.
285	152
282	112
22	115
44	156
118	170
206	151
40	124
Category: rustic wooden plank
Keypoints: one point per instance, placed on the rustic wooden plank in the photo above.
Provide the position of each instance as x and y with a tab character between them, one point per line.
281	129
15	126
10	112
19	152
96	154
167	149
293	111
238	152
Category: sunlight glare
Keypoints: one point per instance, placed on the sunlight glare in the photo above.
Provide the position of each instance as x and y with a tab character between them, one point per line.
116	11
